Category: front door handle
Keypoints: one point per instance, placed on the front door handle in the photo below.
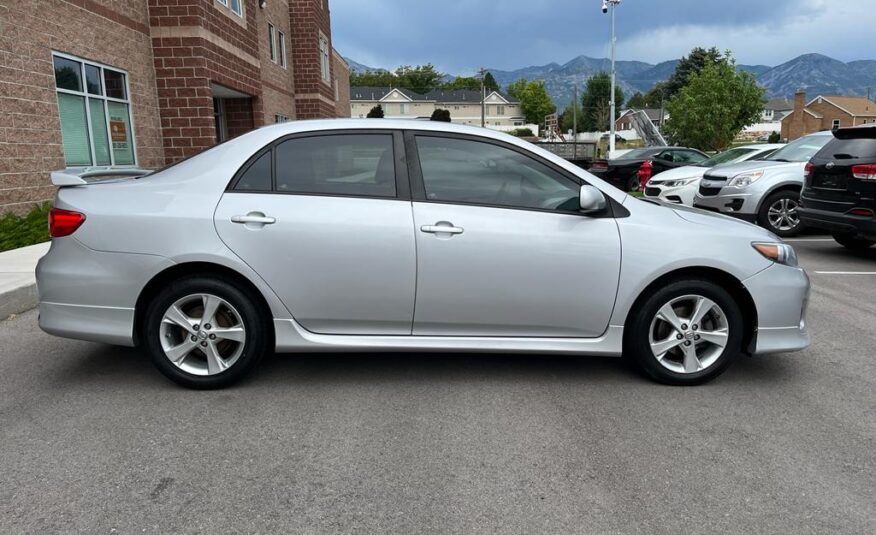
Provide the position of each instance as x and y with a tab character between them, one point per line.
441	228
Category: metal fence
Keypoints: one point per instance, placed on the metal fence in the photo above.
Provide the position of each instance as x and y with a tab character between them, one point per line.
574	152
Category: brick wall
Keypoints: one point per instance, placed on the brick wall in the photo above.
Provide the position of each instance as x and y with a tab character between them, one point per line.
238	116
277	82
314	97
341	72
30	132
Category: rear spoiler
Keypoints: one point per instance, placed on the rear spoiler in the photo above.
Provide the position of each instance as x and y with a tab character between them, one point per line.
76	176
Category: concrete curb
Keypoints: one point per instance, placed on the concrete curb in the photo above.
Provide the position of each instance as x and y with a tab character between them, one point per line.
18	300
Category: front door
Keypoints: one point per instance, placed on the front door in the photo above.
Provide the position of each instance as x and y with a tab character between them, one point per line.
328	232
501	250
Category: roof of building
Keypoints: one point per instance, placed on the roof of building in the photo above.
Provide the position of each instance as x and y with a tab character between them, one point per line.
854	105
779	104
377	93
441	95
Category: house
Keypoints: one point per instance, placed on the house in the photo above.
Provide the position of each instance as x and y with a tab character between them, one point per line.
825	113
501	112
776	109
148	82
656	115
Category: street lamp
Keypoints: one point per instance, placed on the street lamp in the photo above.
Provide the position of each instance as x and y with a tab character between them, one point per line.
606	5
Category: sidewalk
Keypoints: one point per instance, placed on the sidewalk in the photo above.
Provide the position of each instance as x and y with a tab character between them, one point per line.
17	280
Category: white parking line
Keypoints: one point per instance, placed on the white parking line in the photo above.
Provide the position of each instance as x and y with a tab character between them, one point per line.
846	272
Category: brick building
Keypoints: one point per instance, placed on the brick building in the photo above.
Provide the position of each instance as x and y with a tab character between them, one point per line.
147	82
826	113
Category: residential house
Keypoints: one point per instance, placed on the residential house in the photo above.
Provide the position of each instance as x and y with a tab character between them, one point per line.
776	109
501	112
825	113
147	82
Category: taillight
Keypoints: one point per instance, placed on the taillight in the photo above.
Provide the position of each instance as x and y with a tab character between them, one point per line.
861	212
807	171
864	172
645	171
600	165
64	222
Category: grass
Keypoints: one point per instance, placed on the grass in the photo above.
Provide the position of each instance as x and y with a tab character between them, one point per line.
21	231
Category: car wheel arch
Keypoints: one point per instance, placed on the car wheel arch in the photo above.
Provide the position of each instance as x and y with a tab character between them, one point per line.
726	280
204	269
797	188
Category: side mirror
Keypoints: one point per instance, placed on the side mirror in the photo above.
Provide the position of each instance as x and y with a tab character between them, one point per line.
591	200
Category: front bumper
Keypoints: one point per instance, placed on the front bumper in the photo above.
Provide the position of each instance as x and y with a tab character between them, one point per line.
675	194
729	201
781	296
838	223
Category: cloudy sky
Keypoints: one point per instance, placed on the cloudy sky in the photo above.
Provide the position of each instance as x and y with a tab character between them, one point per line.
459	35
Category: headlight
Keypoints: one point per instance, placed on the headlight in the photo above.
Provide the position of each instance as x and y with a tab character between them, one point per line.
743	180
781	253
682	182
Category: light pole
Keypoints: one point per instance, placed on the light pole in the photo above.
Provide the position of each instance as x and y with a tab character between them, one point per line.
606	6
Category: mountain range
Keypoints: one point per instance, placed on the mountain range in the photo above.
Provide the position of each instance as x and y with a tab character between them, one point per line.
815	73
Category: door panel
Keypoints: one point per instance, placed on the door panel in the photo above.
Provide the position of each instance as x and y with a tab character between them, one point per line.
341	265
505	272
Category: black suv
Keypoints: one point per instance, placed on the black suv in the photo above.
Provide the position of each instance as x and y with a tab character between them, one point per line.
839	191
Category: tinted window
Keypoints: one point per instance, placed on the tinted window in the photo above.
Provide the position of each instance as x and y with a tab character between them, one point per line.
688	156
456	170
637	153
356	164
800	150
849	149
258	176
726	157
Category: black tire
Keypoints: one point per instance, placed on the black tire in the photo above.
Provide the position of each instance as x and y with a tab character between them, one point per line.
763	219
637	346
252	319
850	242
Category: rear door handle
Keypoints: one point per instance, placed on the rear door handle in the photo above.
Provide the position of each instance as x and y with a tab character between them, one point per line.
439	229
254	218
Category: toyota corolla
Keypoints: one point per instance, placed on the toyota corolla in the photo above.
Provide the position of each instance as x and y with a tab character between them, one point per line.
381	235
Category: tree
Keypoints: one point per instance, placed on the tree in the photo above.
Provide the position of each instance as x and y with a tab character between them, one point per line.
373	79
376	112
637	101
490	83
596	103
572	114
441	115
535	103
522	132
422	78
691	64
715	105
775	137
656	97
463	82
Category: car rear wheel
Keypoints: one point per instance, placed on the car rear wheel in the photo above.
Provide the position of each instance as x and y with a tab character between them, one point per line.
686	333
633	183
779	213
204	333
851	242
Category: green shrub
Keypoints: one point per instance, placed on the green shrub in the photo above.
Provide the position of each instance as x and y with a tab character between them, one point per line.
522	132
17	231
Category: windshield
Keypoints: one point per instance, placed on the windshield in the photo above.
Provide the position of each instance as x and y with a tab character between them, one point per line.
637	153
726	157
800	150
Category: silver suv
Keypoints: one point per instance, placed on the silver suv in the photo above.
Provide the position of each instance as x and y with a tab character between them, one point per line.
766	192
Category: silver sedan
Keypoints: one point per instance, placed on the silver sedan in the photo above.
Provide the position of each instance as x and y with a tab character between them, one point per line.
367	235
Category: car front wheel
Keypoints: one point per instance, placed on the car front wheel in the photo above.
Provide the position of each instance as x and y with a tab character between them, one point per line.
204	332
686	333
779	213
853	243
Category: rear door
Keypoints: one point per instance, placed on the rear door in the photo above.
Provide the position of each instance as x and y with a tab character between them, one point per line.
326	222
501	248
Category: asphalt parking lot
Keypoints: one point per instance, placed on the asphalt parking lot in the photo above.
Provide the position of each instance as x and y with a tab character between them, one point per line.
95	440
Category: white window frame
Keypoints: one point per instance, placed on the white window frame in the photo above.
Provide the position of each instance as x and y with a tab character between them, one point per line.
239	10
84	93
325	69
281	41
836	123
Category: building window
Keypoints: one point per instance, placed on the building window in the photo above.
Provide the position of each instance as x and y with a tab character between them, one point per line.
280	118
500	110
836	123
237	7
94	108
272	49
402	109
324	61
281	40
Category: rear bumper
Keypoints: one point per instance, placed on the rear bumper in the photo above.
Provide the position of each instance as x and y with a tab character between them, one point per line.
107	325
838	223
781	296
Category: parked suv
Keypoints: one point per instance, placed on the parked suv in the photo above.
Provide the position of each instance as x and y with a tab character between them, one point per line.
766	192
839	192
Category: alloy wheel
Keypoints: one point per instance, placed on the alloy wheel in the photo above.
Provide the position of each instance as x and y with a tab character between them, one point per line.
782	214
202	334
688	334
